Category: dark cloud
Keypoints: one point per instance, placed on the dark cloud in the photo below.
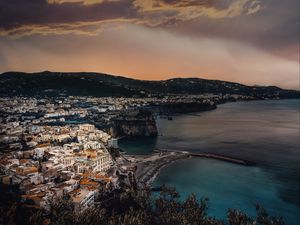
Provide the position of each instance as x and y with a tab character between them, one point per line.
275	28
269	24
16	13
184	3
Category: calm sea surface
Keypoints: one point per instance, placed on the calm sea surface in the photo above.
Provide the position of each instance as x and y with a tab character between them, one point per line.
265	132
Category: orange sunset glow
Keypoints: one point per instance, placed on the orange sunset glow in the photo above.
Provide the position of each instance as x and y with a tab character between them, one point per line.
252	42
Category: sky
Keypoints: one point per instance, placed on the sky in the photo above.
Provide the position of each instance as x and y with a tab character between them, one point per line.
254	42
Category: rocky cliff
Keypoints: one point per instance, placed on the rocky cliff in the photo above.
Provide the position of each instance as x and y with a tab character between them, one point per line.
133	124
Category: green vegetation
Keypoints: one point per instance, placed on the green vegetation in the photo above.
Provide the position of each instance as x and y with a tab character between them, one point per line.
135	208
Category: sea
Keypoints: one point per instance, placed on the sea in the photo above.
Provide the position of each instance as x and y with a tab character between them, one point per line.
266	132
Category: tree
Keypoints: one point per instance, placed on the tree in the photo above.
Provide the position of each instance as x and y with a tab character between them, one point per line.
140	207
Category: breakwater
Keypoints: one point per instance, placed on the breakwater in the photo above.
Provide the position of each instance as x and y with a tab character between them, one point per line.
224	158
213	156
149	166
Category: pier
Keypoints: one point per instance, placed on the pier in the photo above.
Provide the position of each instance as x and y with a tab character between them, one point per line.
213	156
223	158
148	166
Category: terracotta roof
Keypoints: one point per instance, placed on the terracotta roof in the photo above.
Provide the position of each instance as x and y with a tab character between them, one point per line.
37	197
27	170
106	179
87	181
43	145
23	161
4	162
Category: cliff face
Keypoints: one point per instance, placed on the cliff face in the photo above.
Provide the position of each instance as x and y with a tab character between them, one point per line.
133	124
141	123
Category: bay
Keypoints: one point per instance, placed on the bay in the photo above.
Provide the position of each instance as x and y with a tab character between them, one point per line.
265	132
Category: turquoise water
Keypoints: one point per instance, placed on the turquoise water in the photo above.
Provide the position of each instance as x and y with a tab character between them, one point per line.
266	132
138	146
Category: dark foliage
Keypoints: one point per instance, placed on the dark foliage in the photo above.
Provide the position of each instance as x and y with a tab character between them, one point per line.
135	208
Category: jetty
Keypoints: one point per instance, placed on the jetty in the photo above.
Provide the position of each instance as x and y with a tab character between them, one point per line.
148	166
213	156
224	158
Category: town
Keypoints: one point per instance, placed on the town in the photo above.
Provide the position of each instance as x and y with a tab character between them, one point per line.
63	146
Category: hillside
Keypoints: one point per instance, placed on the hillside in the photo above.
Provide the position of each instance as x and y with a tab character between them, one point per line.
96	84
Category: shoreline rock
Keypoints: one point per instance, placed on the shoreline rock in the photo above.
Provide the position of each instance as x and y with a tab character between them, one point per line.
135	123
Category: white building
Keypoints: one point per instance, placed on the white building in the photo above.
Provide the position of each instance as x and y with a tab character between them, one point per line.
68	161
104	162
92	145
87	127
82	198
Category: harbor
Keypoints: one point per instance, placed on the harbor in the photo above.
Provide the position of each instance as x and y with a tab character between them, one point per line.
148	166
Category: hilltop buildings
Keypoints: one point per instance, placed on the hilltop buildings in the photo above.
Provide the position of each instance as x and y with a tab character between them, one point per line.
46	160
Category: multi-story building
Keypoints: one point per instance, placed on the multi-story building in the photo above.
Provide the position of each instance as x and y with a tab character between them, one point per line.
82	198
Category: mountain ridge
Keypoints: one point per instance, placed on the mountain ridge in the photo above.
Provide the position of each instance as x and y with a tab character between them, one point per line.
101	84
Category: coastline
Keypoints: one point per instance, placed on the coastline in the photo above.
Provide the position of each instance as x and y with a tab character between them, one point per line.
152	178
203	176
149	166
151	173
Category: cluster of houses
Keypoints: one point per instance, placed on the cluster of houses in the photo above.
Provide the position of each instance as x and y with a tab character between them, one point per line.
48	148
46	162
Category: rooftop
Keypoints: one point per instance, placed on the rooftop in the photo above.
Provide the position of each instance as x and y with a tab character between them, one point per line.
79	194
